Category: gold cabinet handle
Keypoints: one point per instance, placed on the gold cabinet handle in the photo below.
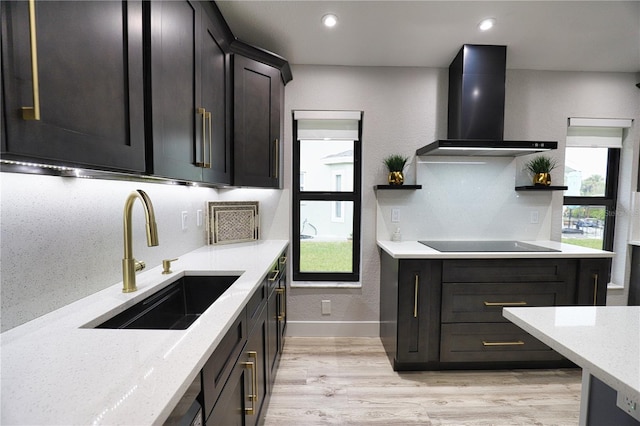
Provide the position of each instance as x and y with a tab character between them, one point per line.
283	260
505	303
33	113
274	276
416	284
209	120
253	396
282	314
203	112
595	289
277	160
514	343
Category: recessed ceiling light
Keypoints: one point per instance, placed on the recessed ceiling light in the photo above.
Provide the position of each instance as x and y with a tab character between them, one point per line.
329	20
487	24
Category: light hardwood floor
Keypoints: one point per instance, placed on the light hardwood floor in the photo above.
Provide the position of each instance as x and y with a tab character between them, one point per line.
349	381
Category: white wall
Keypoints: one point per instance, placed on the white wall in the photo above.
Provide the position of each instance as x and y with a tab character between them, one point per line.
404	109
62	239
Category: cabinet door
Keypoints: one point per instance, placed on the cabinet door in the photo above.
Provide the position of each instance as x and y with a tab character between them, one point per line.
215	80
256	353
258	90
190	99
233	401
90	83
593	277
273	348
418	310
282	302
176	124
277	317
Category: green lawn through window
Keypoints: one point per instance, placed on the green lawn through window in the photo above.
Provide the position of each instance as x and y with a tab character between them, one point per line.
593	243
325	256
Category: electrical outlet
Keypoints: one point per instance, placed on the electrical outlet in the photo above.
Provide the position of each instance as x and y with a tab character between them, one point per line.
185	217
326	307
628	405
395	215
533	218
199	218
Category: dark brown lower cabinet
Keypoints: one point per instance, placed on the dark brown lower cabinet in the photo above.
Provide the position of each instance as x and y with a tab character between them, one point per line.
239	376
242	398
440	314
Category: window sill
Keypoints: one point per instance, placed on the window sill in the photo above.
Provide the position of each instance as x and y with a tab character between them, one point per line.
325	284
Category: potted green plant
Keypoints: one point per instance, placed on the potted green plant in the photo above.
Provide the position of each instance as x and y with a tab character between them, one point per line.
395	163
540	168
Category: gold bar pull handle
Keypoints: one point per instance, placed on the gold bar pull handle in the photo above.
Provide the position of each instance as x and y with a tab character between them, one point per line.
203	112
595	289
277	160
282	314
416	284
33	113
274	276
253	396
514	343
209	120
505	303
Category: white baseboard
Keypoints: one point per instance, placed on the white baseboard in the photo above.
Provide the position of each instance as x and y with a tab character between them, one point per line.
333	328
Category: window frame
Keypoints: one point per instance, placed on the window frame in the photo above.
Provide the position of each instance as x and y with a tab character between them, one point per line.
354	196
609	200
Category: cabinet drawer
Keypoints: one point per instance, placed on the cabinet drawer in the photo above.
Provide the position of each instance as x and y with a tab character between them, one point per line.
507	270
483	302
255	305
482	342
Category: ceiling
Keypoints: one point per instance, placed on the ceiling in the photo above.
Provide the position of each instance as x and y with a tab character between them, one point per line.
540	35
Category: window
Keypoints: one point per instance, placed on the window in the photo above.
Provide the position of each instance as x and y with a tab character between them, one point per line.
326	205
592	160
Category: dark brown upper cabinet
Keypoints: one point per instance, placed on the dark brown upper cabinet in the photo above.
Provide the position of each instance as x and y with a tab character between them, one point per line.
189	91
259	80
88	83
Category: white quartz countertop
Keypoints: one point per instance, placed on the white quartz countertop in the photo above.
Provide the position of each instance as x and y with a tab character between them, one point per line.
603	340
55	371
416	250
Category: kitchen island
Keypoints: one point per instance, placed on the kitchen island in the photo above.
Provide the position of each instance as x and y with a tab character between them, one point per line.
58	369
605	342
443	309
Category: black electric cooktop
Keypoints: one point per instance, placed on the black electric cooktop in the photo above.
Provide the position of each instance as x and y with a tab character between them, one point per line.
484	246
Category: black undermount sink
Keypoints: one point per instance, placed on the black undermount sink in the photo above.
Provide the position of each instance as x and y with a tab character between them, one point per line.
174	307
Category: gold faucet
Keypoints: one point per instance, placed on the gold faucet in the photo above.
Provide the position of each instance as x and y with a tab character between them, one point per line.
129	265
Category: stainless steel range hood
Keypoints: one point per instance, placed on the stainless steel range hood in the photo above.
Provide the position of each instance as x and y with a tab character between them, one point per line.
476	108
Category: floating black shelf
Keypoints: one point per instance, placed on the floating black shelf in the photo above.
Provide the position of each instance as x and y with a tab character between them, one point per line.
396	187
541	188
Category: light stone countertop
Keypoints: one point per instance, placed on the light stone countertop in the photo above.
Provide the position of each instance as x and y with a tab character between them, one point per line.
54	371
603	340
416	250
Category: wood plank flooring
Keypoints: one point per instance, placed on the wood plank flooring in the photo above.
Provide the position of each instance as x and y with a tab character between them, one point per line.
349	381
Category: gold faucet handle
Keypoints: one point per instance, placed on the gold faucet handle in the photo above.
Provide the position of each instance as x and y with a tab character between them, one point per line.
166	265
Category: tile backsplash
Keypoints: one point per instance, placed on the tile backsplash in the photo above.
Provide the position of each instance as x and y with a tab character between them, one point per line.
465	198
